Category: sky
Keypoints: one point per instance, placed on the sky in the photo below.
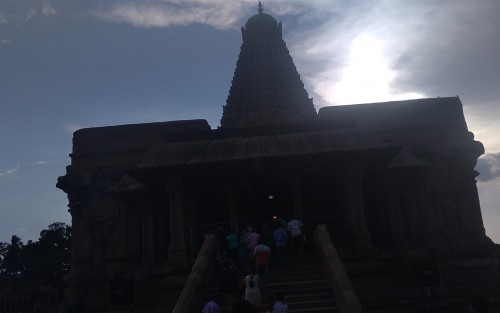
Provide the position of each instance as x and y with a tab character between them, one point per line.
66	65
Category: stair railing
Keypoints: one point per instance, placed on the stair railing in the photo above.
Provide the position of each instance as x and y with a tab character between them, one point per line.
345	296
199	279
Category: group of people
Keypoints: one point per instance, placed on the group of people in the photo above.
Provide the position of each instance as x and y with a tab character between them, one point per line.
245	259
276	304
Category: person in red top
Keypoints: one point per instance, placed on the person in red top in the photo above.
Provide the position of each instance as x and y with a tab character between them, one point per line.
261	254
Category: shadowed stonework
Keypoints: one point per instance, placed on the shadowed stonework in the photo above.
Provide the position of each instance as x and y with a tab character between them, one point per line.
392	180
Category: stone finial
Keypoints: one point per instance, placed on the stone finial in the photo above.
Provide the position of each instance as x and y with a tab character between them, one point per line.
260	8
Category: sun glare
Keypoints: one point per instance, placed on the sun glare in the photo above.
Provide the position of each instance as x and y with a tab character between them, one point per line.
366	77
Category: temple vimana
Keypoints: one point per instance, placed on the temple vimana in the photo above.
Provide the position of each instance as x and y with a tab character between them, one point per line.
386	192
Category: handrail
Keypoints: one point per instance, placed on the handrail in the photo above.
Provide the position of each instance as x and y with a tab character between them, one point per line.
199	279
344	293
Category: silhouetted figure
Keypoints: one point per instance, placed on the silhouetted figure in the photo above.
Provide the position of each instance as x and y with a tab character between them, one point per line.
479	304
261	254
229	282
244	260
252	239
212	306
280	237
280	306
267	232
232	245
252	290
294	228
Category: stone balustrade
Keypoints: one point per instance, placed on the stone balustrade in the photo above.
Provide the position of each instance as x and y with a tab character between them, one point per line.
345	296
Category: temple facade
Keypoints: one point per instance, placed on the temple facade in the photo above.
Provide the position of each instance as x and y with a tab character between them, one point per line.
392	178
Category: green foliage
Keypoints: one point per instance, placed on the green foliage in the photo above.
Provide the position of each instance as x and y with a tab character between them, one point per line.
45	260
12	257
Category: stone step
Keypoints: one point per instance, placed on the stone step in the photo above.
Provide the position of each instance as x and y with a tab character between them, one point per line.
324	309
309	296
299	284
321	303
296	277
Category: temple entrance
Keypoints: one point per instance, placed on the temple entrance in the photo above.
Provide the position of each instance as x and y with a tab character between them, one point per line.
271	198
257	190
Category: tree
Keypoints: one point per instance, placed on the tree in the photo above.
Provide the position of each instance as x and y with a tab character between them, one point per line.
12	260
48	258
3	250
45	260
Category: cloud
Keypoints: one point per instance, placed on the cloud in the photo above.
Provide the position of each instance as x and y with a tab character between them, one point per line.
215	13
173	13
21	12
10	172
347	51
4	41
39	162
488	167
451	52
31	13
47	10
359	51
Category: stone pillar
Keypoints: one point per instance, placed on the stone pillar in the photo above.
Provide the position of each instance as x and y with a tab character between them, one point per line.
398	231
232	203
297	198
148	255
355	208
179	205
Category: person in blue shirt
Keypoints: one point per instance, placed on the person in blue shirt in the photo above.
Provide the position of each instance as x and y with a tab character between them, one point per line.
281	241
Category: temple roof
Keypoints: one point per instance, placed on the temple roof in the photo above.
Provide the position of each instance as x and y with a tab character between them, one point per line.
339	129
347	140
428	113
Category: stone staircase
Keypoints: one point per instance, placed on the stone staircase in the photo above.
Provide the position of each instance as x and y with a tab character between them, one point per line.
303	283
378	283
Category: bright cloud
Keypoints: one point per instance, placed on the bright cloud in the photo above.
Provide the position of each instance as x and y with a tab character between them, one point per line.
216	13
365	78
490	199
172	13
47	10
488	167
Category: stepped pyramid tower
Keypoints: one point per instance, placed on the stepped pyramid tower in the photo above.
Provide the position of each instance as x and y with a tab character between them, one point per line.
266	88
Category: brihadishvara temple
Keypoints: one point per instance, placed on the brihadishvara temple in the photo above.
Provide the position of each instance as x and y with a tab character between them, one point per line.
386	192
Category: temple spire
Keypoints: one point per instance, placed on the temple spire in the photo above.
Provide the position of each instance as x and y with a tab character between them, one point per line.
266	88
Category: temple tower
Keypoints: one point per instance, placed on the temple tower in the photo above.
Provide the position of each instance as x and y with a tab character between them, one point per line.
266	88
